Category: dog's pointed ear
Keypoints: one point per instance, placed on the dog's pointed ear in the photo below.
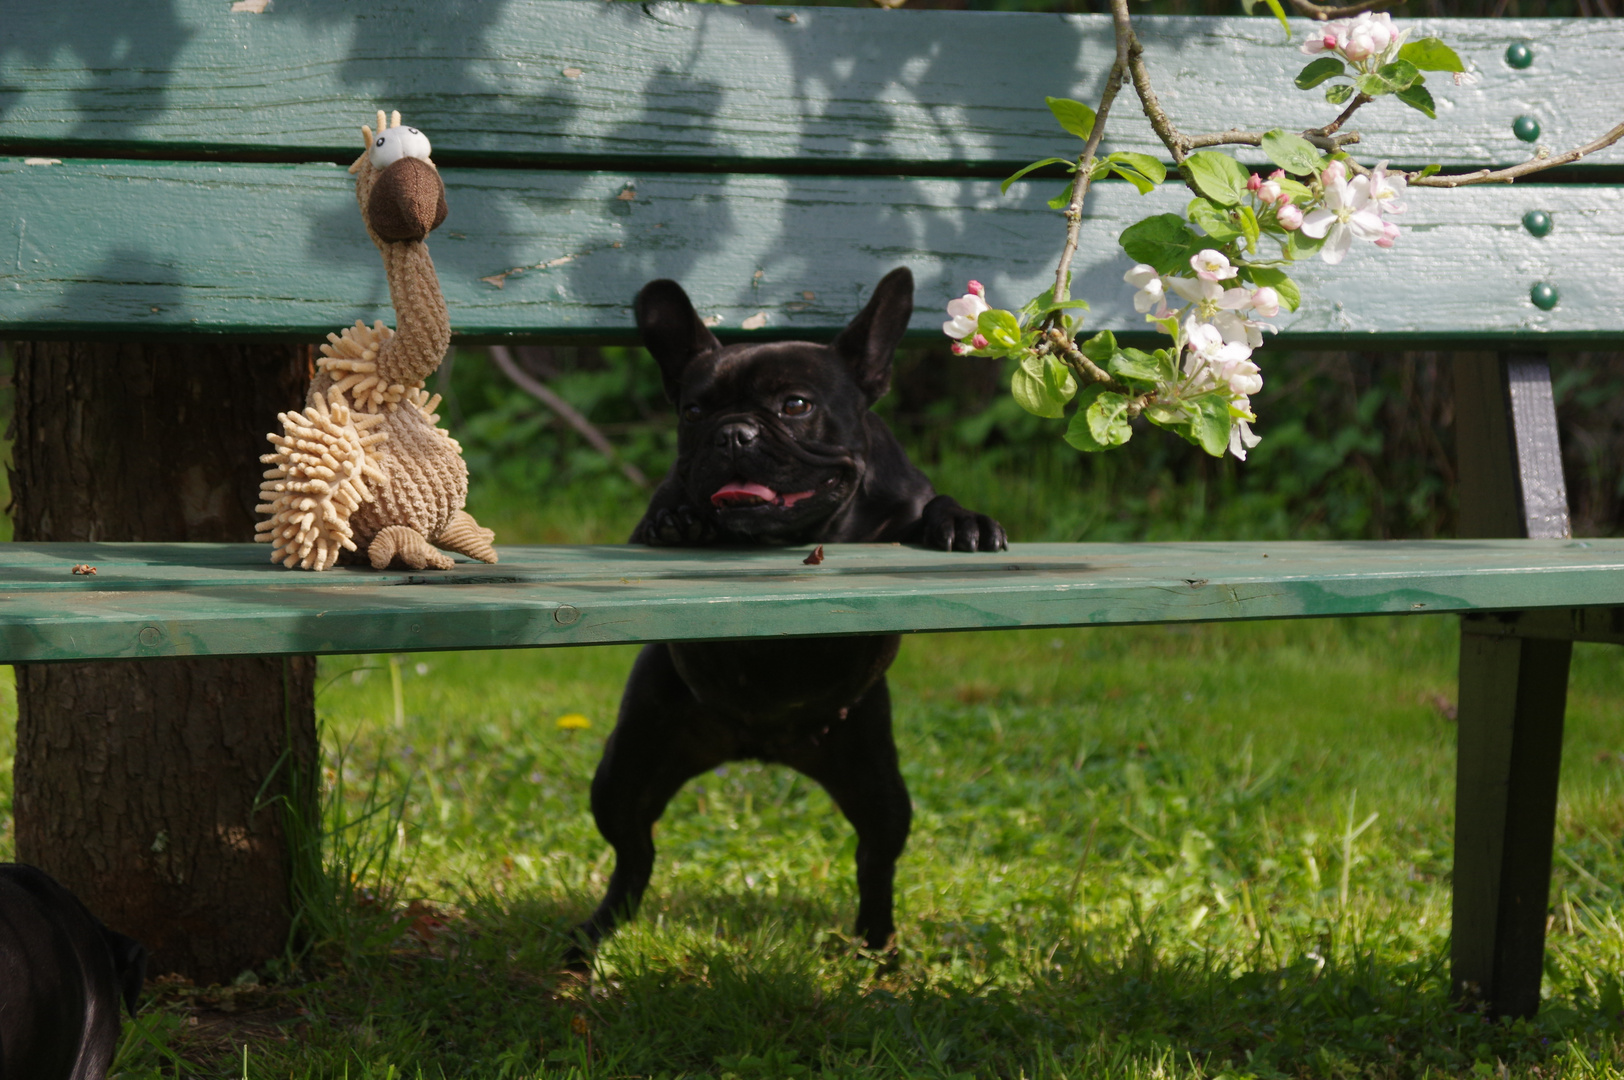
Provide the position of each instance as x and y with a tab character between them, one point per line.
671	330
869	340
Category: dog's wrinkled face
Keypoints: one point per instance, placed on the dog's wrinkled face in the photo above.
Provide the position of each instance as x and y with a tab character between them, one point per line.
773	437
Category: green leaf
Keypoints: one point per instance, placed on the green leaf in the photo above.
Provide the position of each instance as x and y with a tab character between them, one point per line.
1145	186
1428	170
1339	93
1292	153
1299	193
1389	79
1062	200
1218	224
1100	169
1099	347
1290	294
1042	386
1108	419
1078	433
1209	423
1419	98
1140	366
1217	176
999	327
1004	187
1249	227
1143	164
1163	241
1299	245
1074	116
1317	71
1430	54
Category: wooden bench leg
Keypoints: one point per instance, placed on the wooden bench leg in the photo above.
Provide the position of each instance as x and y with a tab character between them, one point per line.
1512	695
1513	691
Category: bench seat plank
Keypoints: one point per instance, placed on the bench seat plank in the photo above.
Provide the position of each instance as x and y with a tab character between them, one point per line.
145	249
150	600
550	82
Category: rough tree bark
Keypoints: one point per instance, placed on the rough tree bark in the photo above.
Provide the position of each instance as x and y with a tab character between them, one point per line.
153	789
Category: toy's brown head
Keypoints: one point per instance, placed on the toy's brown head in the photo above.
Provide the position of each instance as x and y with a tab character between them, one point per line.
401	194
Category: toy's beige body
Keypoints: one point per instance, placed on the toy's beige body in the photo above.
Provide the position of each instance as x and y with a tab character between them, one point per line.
365	468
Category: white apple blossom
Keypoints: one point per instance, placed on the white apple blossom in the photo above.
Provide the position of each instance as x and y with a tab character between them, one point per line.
1266	302
964	311
1152	294
1387	191
1346	216
1268	192
1210	265
1241	439
1214	362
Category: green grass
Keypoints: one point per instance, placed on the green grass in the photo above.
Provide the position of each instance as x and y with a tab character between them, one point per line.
1128	859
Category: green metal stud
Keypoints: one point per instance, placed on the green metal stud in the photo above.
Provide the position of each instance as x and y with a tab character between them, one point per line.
1537	222
1525	128
1520	54
1544	296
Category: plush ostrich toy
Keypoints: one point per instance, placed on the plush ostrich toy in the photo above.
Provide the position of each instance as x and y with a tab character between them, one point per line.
364	468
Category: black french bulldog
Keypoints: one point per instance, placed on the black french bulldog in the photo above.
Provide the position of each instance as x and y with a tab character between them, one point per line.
62	975
776	446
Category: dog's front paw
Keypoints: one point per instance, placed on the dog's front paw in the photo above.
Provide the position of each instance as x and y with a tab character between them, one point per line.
679	526
947	526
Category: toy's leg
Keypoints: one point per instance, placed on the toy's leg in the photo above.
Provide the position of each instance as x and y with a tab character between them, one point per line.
856	762
660	741
467	537
405	545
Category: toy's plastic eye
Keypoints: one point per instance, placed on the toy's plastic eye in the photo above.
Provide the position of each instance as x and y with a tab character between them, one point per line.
797	406
396	143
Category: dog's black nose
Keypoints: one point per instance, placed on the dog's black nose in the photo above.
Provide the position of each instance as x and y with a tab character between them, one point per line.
737	435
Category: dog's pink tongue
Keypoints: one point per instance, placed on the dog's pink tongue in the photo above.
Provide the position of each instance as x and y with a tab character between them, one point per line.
742	493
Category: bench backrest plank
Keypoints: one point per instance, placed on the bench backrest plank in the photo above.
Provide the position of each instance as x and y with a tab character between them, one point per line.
755	156
742	88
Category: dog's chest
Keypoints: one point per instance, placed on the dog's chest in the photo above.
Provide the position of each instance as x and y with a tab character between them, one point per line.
785	688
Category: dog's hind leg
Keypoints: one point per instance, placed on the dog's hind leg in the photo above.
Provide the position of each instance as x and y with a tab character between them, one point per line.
660	741
856	762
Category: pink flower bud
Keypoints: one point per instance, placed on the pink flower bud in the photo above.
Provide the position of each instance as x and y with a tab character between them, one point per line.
1268	192
976	289
1334	173
1278	174
1329	41
1254	182
1290	217
959	349
1389	235
978	342
1359	47
1266	302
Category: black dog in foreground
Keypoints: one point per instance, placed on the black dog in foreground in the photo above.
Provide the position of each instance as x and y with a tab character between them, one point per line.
776	446
62	975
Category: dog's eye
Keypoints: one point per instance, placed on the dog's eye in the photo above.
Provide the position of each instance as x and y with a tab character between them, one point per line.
797	406
692	412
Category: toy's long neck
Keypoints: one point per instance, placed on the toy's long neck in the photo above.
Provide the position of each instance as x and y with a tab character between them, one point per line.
422	326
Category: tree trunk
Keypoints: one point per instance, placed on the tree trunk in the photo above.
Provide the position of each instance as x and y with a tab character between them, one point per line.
157	789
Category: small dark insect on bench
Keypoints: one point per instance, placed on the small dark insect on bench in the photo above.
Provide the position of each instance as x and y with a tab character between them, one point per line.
777	161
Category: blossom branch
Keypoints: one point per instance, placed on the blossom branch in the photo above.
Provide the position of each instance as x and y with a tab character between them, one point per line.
1066	348
1538	163
1080	183
1329	11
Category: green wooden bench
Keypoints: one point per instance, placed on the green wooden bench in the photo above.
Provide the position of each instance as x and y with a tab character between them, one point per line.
182	183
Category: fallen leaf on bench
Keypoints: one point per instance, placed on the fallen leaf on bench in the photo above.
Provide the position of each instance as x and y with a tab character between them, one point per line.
815	558
755	322
84	568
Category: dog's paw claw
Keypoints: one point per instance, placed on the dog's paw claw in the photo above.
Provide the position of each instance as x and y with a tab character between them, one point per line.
950	527
680	527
